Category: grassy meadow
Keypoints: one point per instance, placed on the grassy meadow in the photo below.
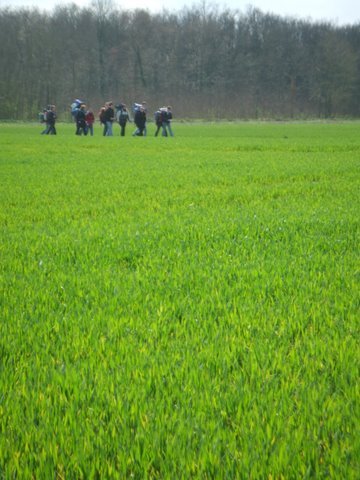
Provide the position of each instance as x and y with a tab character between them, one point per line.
180	308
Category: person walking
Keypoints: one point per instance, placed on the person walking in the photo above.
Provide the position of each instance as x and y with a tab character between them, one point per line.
144	107
167	117
51	120
75	106
90	119
80	121
159	121
109	116
123	117
140	122
136	108
101	116
42	116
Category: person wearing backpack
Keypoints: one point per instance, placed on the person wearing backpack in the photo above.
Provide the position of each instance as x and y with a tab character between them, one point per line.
141	107
167	117
159	115
50	120
122	116
80	121
75	106
140	122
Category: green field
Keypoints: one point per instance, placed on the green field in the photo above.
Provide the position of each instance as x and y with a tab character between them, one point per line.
180	308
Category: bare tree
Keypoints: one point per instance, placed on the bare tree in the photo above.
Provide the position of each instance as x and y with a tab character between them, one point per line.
208	62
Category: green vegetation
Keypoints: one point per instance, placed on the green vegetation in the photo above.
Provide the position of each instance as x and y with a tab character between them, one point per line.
180	308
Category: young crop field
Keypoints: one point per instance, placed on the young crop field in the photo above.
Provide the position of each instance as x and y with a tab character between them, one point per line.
180	308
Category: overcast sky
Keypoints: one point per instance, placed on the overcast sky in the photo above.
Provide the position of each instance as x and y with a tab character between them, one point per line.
339	12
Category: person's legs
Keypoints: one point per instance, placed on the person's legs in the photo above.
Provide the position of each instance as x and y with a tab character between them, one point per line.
171	133
168	130
109	132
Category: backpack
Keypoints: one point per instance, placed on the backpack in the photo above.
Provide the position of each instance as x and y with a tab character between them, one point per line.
76	104
75	108
102	116
158	117
122	117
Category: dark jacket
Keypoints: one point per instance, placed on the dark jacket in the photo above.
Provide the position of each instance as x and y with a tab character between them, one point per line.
159	117
123	117
167	116
109	114
80	118
50	117
140	119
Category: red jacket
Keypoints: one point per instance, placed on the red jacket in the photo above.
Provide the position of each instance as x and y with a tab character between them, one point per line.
89	118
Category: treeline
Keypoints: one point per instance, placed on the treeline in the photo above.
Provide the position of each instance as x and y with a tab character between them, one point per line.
205	62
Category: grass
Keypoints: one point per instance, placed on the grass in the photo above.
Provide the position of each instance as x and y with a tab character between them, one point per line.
180	308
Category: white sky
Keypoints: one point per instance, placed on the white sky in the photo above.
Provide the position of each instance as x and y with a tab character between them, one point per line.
339	12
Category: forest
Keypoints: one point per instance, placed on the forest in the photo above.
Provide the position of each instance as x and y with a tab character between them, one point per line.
207	62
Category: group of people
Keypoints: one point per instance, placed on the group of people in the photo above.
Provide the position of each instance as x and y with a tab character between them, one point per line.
83	118
108	114
163	118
